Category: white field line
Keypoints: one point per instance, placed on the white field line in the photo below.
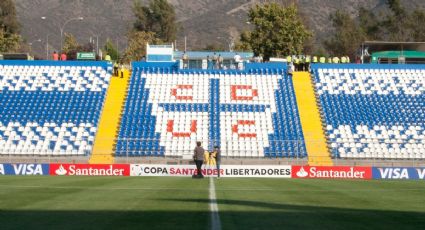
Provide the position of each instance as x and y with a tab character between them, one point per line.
215	218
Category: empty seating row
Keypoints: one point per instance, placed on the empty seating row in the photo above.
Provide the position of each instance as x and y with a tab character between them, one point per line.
50	109
248	114
373	111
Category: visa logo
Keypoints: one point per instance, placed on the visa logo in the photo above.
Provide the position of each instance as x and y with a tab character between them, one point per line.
421	173
28	169
394	173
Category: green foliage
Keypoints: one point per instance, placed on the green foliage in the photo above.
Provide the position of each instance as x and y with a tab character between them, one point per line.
9	42
159	17
70	43
214	47
278	30
416	25
243	44
347	36
110	49
9	27
396	25
370	24
8	21
136	48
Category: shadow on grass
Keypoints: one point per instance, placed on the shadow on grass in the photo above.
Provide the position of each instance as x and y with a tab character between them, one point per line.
286	216
274	216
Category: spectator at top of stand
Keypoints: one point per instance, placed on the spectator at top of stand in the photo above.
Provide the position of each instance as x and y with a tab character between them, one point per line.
63	57
237	58
55	56
108	58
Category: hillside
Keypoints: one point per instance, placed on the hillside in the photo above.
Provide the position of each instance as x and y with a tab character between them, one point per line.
202	21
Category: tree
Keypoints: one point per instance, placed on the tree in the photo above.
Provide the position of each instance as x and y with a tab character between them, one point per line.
110	49
159	17
416	25
8	20
278	30
70	43
9	27
347	35
396	22
214	47
9	43
136	48
243	43
370	24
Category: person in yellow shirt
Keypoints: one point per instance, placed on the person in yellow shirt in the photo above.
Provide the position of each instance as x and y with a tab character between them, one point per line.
288	59
107	58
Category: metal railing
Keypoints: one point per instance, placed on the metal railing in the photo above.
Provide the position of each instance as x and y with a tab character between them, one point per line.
130	150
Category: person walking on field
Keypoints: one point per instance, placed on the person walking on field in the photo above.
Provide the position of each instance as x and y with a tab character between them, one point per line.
198	157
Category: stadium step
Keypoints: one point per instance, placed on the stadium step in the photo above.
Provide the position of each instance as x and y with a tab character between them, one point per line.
103	150
318	153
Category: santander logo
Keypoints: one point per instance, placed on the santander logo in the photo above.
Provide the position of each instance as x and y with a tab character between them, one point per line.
90	169
60	171
302	173
343	172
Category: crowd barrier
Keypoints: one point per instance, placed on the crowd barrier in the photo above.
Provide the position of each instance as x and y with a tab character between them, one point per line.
260	171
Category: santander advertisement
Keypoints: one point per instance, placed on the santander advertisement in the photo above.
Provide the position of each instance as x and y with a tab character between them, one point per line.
90	169
332	172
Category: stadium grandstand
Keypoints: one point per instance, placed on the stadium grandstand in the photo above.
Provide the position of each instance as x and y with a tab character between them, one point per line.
338	112
50	108
160	114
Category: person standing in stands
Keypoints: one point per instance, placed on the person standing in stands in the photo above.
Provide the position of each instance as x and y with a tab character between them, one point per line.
198	157
215	61
217	153
185	59
63	56
108	57
122	70
116	69
220	61
55	56
209	62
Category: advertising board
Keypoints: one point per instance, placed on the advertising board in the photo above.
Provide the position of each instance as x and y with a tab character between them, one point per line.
89	169
400	173
24	169
332	172
276	171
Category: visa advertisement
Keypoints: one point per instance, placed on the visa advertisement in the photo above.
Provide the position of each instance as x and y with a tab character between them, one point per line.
24	169
398	173
90	169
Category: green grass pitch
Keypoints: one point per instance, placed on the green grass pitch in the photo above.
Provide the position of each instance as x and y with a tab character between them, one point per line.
183	203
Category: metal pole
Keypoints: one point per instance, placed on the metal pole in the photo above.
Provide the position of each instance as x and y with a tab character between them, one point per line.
97	44
185	43
47	47
118	49
61	40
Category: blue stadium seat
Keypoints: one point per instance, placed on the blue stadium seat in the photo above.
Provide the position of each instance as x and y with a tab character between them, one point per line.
373	111
248	113
50	108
